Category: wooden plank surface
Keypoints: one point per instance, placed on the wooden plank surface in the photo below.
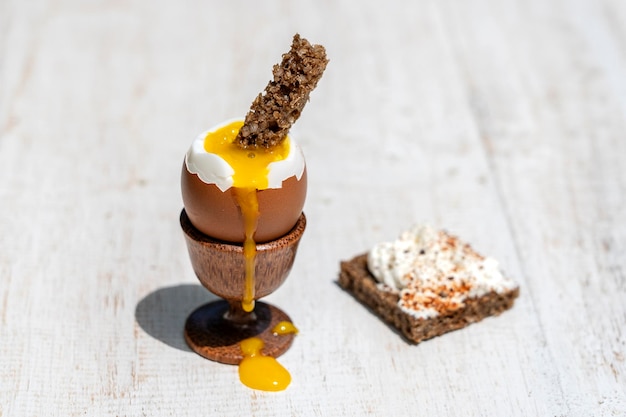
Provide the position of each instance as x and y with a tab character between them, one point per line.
503	121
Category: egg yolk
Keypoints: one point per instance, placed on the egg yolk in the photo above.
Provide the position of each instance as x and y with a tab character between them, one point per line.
251	166
261	372
284	327
251	169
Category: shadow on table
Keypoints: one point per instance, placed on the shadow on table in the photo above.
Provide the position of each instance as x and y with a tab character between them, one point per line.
162	313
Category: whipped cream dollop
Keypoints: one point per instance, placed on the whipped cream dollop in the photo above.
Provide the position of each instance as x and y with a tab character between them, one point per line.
434	272
213	169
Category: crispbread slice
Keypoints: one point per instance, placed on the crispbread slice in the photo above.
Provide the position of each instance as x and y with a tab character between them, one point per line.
277	108
355	278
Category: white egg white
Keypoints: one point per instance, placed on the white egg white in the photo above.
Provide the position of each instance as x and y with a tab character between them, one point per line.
213	169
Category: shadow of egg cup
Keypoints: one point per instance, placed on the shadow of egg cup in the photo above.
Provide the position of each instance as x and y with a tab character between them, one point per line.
214	330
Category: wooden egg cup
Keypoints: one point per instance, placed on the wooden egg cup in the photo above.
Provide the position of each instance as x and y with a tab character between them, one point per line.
214	330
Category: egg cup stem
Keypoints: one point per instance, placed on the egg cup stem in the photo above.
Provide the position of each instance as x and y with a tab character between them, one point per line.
237	315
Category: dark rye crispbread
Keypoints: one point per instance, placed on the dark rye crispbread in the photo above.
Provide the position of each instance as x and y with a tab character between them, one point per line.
277	108
357	280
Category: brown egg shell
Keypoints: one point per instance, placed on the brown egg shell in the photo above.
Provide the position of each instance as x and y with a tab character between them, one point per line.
216	213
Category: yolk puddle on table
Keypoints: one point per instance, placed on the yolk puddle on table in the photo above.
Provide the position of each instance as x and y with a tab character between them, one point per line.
251	170
261	372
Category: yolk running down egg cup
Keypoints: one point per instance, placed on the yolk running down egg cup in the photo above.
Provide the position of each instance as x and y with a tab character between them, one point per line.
216	330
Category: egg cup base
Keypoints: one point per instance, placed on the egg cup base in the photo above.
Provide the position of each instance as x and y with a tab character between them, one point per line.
210	333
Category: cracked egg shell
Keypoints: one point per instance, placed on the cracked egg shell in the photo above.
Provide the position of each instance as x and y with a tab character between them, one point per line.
211	202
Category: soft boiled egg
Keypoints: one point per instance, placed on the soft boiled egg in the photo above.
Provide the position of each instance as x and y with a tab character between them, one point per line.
245	196
218	178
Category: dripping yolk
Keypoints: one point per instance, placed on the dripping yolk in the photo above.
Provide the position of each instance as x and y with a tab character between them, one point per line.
251	169
261	372
249	205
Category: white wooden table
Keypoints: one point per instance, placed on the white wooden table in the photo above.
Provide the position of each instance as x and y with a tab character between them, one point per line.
503	121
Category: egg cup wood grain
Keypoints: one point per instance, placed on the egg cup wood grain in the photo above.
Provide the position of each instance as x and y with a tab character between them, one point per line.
214	330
